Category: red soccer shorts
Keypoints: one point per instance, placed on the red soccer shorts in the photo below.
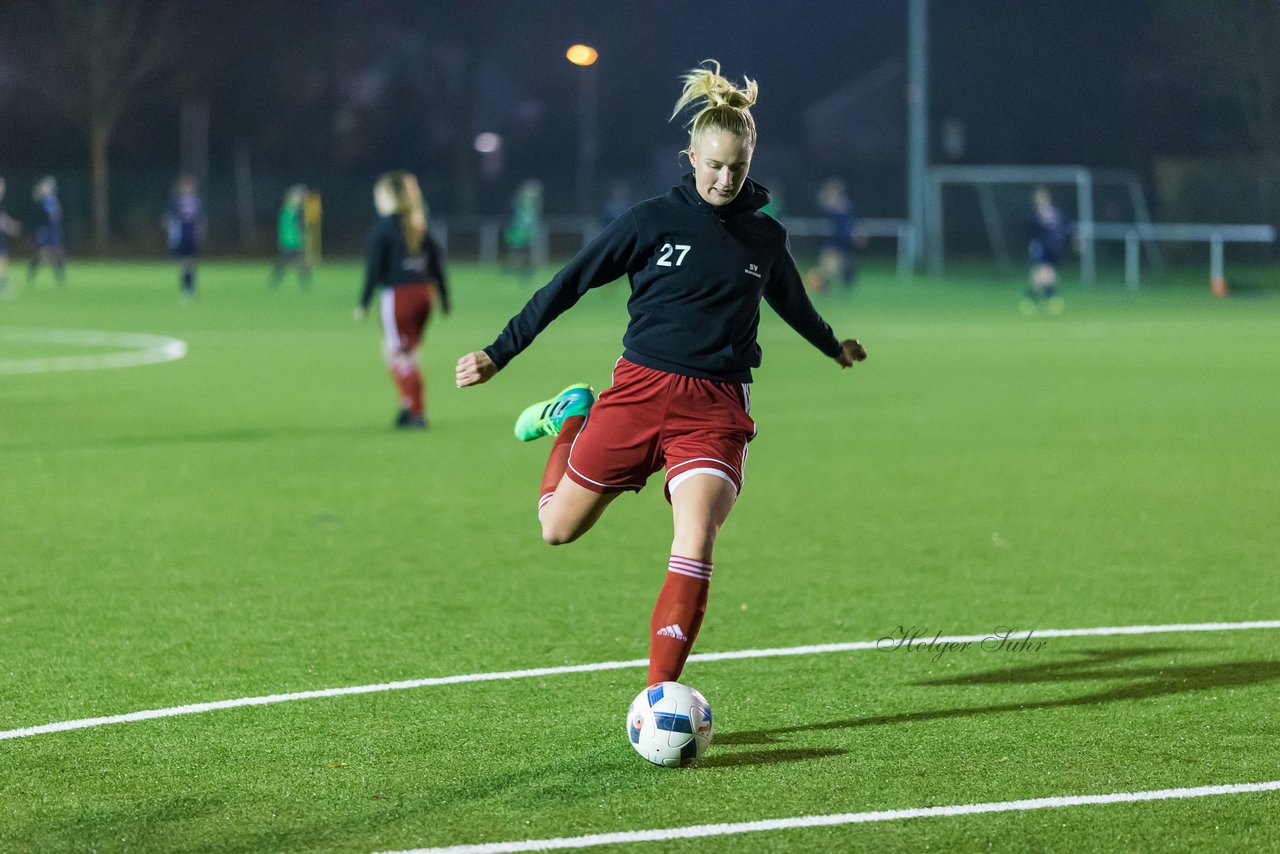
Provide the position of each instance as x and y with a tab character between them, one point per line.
649	419
405	311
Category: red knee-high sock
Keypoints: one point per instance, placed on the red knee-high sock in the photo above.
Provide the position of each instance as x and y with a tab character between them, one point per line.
401	379
676	617
558	460
417	388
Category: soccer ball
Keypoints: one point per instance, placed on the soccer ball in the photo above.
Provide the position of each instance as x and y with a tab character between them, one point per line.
669	724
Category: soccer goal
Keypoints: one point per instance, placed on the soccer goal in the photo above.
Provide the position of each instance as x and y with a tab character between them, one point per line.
996	202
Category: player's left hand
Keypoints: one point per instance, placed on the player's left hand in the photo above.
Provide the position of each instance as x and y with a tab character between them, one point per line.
851	351
358	313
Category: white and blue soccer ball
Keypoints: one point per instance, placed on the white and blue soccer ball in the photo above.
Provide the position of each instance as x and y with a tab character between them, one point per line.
669	724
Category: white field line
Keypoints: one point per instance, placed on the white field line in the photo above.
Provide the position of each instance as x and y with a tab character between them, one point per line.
494	676
704	830
141	349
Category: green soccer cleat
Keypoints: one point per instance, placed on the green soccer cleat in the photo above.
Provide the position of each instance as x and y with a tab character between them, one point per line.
548	417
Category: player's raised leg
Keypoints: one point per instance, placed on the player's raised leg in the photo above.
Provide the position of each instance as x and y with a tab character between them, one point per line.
570	510
566	509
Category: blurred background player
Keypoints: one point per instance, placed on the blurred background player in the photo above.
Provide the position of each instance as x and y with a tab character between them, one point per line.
408	265
291	234
523	228
50	248
311	216
835	259
1047	232
185	225
617	203
9	227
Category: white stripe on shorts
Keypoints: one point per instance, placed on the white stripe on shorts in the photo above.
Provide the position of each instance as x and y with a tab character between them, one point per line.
685	475
390	335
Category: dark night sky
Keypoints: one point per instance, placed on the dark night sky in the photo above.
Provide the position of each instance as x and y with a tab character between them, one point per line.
341	89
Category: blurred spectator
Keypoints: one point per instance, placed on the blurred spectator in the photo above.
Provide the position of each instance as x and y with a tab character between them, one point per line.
524	228
185	224
1047	233
835	259
618	202
292	238
50	248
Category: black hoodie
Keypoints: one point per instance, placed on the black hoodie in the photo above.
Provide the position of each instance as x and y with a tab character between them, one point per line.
697	275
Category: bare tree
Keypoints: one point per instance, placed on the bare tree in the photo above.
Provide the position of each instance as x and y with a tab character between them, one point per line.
96	61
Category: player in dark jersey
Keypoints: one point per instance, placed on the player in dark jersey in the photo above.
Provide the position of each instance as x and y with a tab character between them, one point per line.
50	248
9	227
185	224
407	263
699	260
836	259
1047	234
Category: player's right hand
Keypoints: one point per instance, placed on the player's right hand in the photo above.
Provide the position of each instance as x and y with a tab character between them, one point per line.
358	313
851	350
474	368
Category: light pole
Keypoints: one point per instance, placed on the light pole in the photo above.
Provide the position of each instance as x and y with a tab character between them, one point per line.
585	57
918	126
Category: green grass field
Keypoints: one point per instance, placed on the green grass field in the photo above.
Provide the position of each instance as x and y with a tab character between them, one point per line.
244	522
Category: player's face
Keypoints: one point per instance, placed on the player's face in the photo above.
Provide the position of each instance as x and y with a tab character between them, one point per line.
720	163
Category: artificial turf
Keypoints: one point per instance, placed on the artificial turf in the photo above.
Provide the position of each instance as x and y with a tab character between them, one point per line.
244	522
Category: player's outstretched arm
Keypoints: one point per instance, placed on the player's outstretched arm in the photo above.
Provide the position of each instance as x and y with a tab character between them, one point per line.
850	351
474	368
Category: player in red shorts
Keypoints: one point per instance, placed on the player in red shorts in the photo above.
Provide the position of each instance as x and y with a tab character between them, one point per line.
699	260
408	264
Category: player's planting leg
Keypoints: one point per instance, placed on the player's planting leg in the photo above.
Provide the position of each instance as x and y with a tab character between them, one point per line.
699	506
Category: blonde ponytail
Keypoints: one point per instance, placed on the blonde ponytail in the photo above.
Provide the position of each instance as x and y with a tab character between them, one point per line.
398	193
721	105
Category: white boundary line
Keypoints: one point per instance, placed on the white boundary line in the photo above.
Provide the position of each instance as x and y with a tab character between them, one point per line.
142	349
198	708
704	830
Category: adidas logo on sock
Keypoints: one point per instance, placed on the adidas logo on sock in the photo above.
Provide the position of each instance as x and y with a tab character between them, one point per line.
672	631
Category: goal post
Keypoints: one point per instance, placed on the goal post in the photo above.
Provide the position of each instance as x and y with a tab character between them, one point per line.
1083	183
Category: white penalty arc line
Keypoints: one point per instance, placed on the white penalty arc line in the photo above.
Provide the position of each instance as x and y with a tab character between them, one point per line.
494	676
797	822
141	349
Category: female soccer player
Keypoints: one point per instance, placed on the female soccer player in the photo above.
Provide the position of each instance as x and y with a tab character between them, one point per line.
836	261
49	243
185	224
1047	233
408	264
292	238
699	260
